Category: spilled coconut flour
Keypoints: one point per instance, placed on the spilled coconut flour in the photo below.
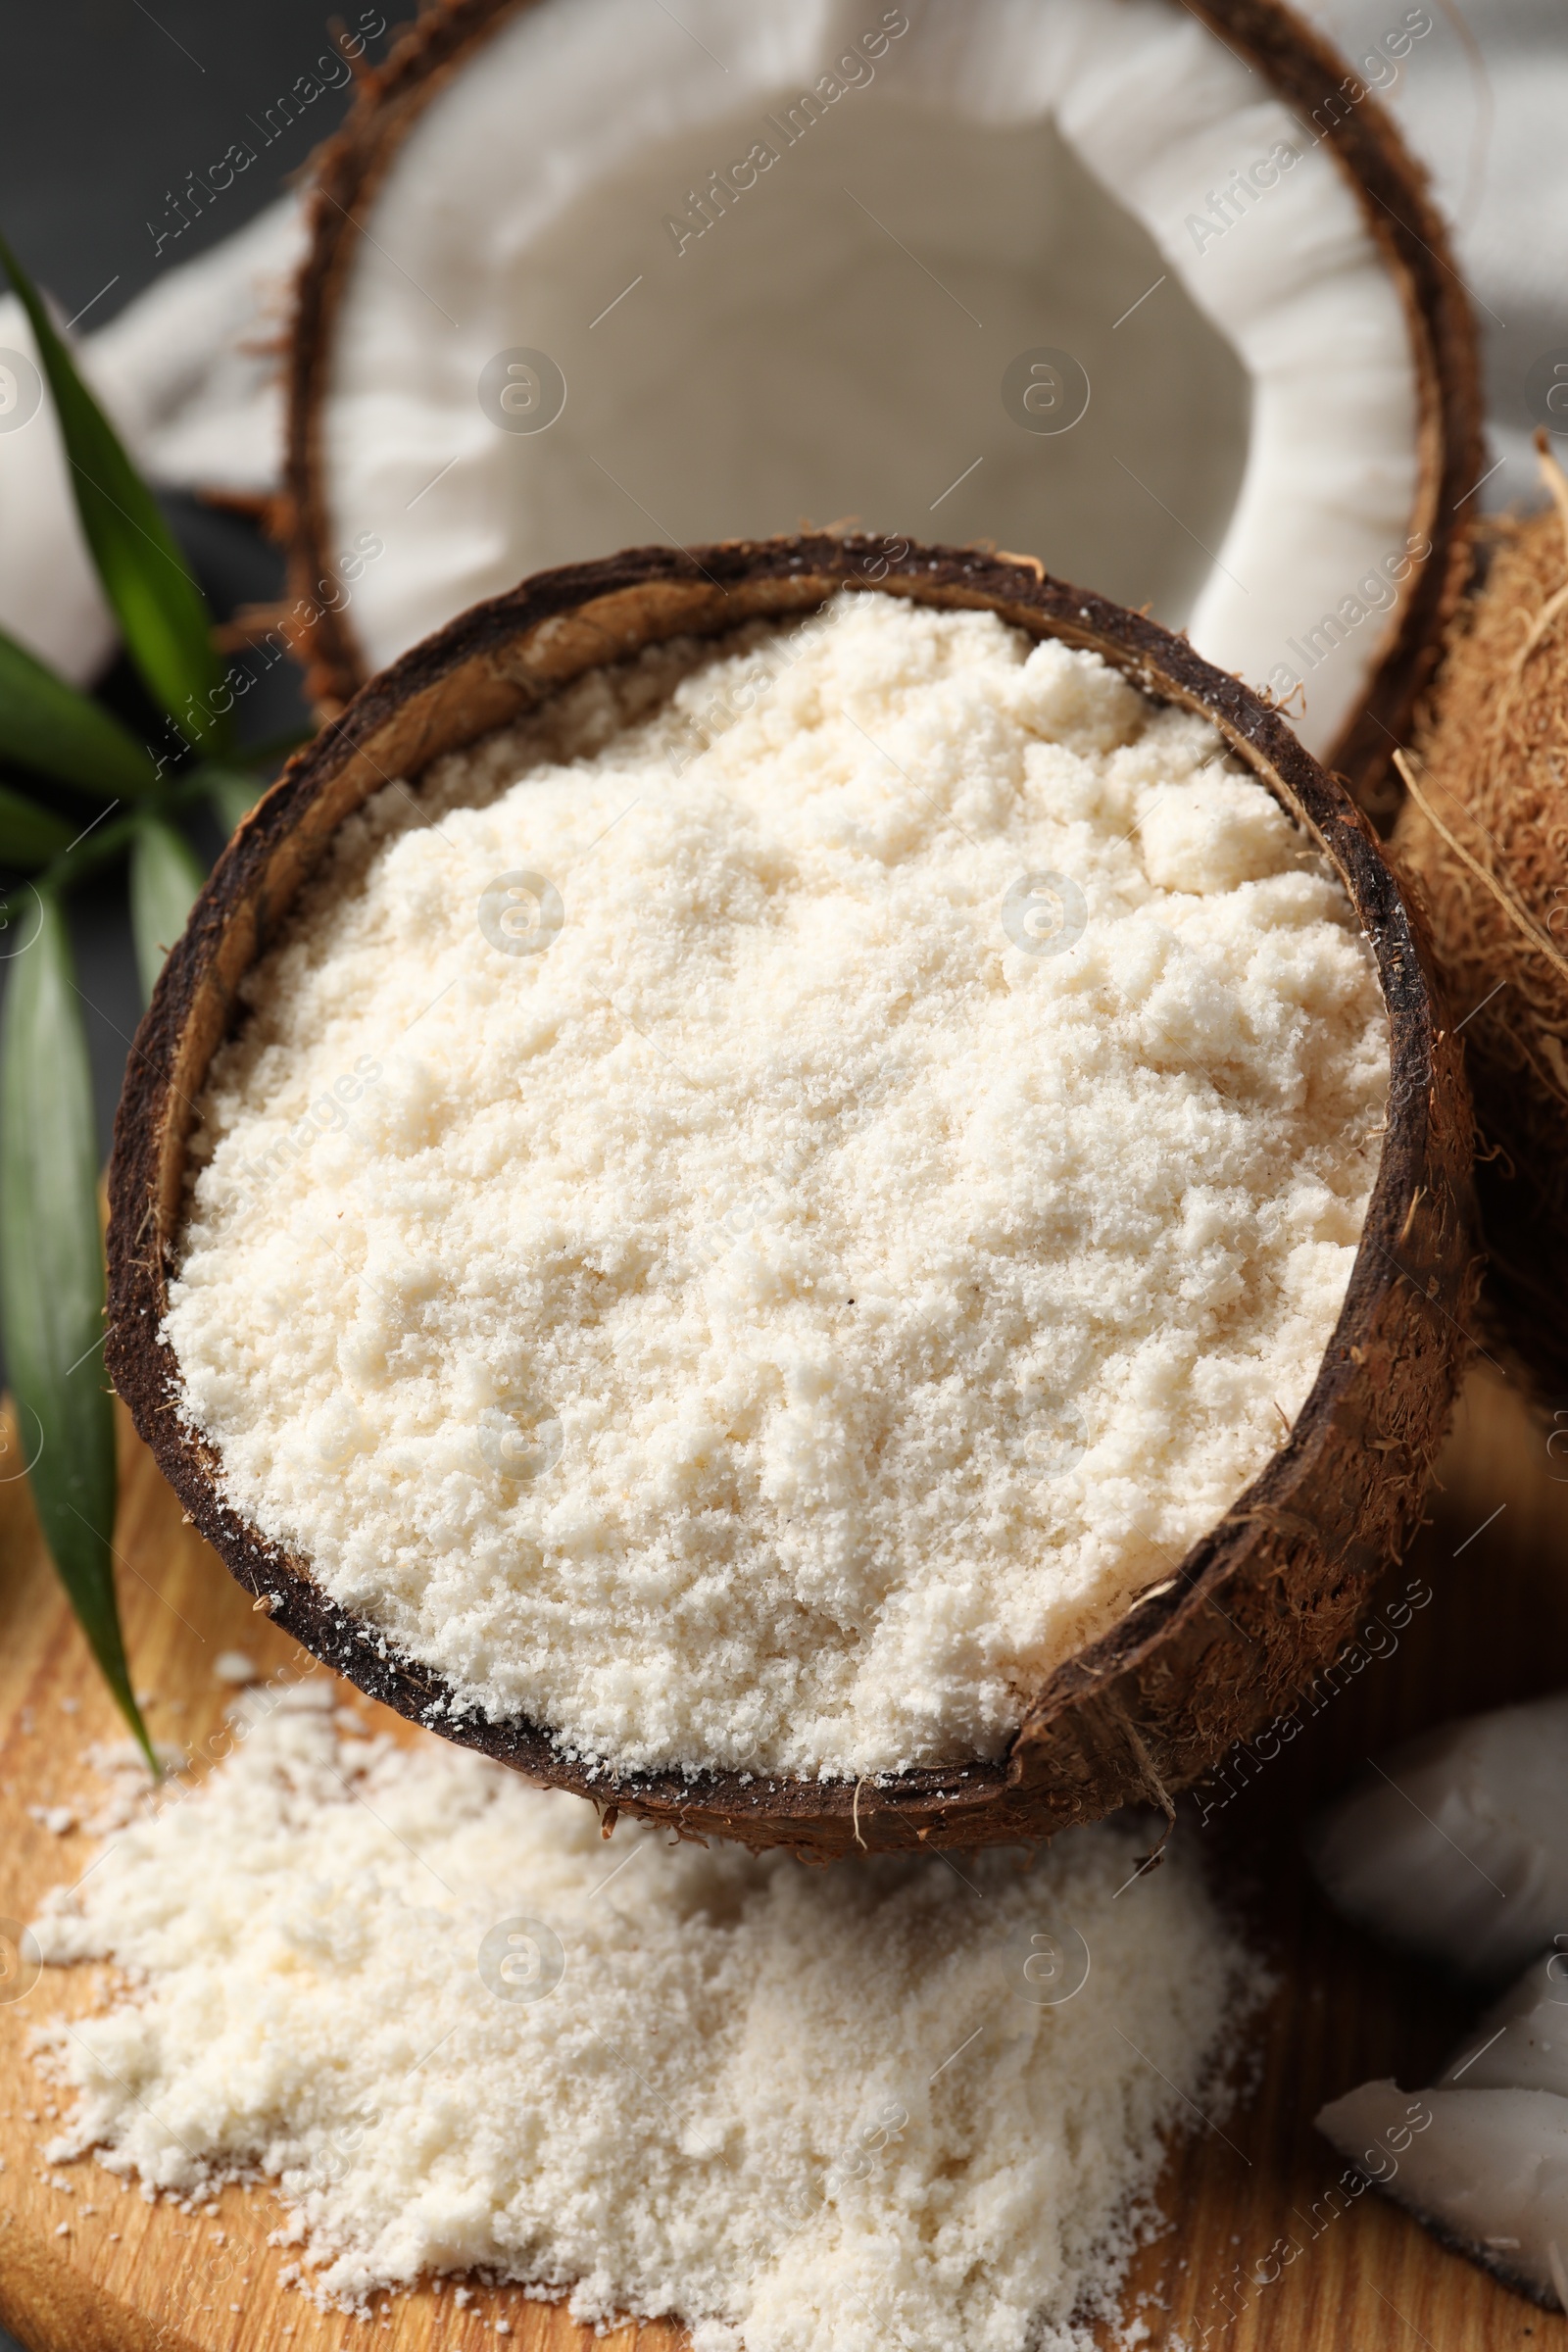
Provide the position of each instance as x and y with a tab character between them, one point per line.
770	1288
815	2111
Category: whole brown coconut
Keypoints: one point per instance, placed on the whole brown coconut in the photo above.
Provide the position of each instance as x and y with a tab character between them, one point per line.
1485	831
1256	1608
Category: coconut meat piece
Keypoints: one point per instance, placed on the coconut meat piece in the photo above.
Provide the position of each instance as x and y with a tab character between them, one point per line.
1483	2157
1487	2168
830	338
1521	2041
1456	1847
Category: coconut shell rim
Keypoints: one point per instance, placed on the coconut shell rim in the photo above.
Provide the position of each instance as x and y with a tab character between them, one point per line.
1302	68
1415	1262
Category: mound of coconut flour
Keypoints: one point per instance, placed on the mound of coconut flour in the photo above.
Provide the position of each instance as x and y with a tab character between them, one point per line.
813	2111
754	1212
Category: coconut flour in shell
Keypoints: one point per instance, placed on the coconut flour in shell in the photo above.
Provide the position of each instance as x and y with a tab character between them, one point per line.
756	1210
810	2111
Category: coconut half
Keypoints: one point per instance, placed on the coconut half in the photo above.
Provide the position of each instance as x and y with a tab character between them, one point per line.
1259	1604
1153	291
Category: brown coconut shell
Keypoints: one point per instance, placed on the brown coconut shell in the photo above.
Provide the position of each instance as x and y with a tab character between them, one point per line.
1255	1609
1485	828
1331	103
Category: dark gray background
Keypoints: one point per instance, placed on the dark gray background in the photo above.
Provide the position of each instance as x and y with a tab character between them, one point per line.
105	106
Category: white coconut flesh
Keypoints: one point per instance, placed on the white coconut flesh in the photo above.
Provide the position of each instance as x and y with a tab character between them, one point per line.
1483	2156
1101	178
1457	1849
1486	2167
1521	2044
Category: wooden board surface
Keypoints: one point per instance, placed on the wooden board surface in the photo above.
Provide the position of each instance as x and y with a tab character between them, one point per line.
1261	2260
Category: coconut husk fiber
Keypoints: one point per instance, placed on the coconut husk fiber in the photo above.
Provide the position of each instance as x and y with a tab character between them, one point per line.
1484	832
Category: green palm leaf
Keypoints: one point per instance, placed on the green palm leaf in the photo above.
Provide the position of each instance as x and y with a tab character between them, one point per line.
161	613
29	836
165	877
46	724
51	1285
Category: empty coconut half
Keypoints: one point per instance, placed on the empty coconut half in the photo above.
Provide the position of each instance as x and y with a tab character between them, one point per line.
1217	1640
1153	291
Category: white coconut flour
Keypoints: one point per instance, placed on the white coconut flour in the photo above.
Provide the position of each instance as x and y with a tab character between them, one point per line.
748	1255
812	2111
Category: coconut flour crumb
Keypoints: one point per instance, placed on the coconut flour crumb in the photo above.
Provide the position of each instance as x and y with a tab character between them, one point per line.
810	2111
58	1820
754	1213
235	1666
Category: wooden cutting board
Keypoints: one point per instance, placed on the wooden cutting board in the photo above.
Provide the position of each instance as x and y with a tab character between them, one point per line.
1261	2257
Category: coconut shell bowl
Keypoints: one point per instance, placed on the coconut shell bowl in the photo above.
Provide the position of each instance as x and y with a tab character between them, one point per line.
1256	1608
